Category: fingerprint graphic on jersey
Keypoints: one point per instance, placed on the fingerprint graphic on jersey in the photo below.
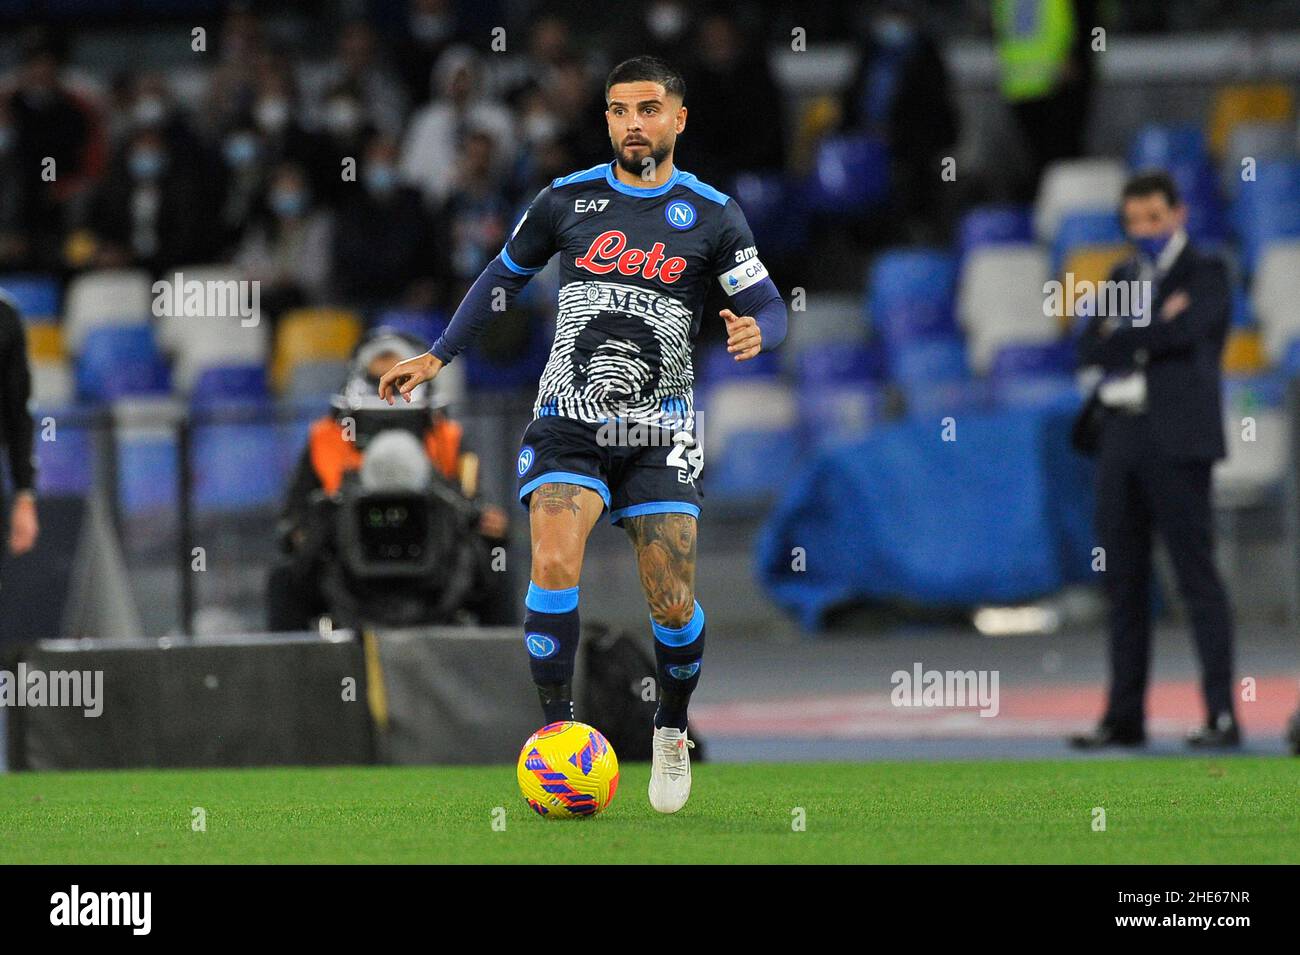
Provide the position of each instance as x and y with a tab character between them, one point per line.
616	357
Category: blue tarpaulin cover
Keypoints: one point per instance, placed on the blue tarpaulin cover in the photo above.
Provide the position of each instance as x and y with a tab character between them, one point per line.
1002	514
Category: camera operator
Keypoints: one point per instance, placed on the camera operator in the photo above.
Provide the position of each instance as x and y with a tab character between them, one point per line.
306	578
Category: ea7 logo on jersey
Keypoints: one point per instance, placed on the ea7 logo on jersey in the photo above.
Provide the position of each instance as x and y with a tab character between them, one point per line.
590	205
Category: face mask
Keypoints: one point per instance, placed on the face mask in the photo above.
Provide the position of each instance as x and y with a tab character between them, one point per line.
343	116
288	203
240	150
891	31
149	112
145	163
272	114
381	179
1152	245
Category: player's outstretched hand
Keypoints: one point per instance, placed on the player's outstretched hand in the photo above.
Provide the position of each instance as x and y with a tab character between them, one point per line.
744	338
403	377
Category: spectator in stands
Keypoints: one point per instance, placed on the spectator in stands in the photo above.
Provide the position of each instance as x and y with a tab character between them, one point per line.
385	254
288	250
245	171
726	78
13	196
476	215
150	106
1159	430
901	94
1047	75
348	128
58	149
277	115
153	210
16	430
436	138
430	29
356	67
575	104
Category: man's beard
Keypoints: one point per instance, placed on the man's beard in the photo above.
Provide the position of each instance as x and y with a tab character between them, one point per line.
638	167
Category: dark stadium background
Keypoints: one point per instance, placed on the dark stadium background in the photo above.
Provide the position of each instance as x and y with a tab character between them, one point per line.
836	150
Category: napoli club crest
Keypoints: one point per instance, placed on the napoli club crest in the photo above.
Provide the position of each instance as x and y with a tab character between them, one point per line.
525	459
680	214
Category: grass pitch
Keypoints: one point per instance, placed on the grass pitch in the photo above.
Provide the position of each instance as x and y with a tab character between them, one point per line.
1164	810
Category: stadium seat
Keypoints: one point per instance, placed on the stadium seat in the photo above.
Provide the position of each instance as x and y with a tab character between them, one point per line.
1199	188
238	466
147	468
835	411
735	406
174	330
45	342
1234	105
1158	146
1095	263
1243	352
115	362
316	379
1262	142
850	175
928	360
1079	229
719	365
776	219
1275	294
1001	300
312	335
843	362
1033	391
36	296
994	225
1252	466
217	342
66	465
52	384
1033	360
230	382
112	297
1076	185
910	294
936	400
753	466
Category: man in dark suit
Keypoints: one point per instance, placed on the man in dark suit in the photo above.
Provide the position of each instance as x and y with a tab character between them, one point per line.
1161	432
16	429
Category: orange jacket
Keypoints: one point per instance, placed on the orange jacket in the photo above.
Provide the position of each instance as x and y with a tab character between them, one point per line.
333	455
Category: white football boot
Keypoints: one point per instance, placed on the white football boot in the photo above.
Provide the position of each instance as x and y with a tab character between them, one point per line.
670	769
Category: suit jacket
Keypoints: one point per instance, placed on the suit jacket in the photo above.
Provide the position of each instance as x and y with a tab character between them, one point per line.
1183	355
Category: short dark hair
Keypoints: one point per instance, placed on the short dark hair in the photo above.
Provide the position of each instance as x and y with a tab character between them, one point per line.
647	69
1149	183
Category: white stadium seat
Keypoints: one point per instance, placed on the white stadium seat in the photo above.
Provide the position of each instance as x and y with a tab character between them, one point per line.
107	297
1275	294
1076	185
1000	300
52	384
740	405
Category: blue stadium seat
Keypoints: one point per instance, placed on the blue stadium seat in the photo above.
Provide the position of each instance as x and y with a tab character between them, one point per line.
720	365
146	473
834	362
937	399
224	382
1034	391
116	361
65	465
1243	313
911	294
237	466
1081	229
426	326
37	295
1161	146
1199	186
838	411
1032	360
994	225
750	466
928	360
1266	209
850	175
776	217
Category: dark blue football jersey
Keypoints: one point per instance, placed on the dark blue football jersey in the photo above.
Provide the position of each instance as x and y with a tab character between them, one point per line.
635	266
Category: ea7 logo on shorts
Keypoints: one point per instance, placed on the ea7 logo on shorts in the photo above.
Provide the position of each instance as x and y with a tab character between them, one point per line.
687	456
590	205
540	645
525	460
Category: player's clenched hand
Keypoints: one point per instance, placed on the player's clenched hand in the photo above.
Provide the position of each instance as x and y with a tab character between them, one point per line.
403	377
744	338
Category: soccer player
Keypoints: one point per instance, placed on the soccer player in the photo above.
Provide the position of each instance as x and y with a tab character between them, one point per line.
613	426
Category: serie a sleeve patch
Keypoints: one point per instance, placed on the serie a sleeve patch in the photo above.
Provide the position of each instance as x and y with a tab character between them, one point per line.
744	275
